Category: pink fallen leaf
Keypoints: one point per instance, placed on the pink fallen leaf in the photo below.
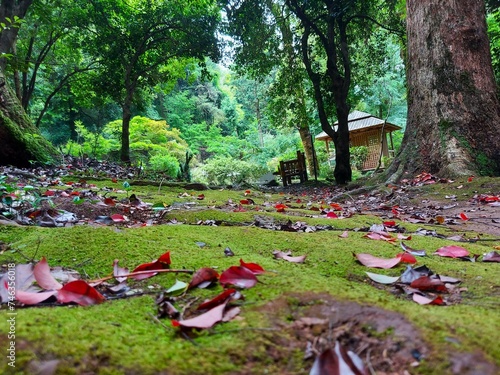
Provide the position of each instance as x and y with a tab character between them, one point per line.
286	256
492	256
380	236
254	267
238	276
422	300
202	321
30	298
80	292
43	277
369	260
452	251
119	271
344	234
230	313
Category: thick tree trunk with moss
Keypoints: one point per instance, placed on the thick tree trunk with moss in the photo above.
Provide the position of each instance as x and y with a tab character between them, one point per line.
453	123
21	143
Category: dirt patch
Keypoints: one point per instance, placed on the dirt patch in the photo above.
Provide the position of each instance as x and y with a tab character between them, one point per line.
385	341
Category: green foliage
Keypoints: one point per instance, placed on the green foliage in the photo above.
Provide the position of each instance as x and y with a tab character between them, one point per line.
166	164
153	143
227	170
358	156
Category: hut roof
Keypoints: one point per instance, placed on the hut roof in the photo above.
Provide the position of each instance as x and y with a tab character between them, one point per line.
360	121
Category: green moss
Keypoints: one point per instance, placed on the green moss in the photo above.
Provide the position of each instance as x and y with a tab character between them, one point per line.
120	336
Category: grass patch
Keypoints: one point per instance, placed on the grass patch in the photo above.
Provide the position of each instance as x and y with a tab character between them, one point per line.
120	336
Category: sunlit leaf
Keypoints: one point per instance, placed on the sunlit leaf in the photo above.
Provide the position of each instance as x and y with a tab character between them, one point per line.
287	256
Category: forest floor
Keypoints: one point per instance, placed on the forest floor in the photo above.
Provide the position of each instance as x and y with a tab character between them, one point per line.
314	241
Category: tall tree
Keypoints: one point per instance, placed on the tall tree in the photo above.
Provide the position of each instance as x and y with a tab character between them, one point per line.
21	141
453	123
328	27
135	40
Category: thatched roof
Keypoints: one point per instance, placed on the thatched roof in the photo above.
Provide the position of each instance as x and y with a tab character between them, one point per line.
359	122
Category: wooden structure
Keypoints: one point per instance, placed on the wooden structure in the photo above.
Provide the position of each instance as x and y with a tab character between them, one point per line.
366	130
293	168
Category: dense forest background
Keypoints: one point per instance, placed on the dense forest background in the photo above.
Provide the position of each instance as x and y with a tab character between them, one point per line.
213	118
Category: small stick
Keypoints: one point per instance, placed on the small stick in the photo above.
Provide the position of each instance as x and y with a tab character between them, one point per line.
139	273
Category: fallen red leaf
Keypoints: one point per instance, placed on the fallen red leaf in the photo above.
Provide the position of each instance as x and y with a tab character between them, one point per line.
203	277
254	267
331	215
463	216
163	262
428	283
280	207
117	218
391	223
216	301
201	197
407	258
452	251
238	276
336	206
109	201
369	260
80	292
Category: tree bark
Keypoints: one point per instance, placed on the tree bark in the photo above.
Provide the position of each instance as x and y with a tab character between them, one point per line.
21	142
453	125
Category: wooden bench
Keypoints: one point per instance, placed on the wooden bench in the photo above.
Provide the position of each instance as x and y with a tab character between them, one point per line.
293	168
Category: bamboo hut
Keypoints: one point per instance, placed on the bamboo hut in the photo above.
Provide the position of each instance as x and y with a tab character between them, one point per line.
366	130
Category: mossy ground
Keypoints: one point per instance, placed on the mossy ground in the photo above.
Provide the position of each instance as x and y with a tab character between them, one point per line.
121	336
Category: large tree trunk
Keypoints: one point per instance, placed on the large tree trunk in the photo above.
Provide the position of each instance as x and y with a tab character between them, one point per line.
21	143
305	137
453	123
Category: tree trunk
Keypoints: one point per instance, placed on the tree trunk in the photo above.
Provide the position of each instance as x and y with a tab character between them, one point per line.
21	142
305	137
453	123
126	116
10	9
